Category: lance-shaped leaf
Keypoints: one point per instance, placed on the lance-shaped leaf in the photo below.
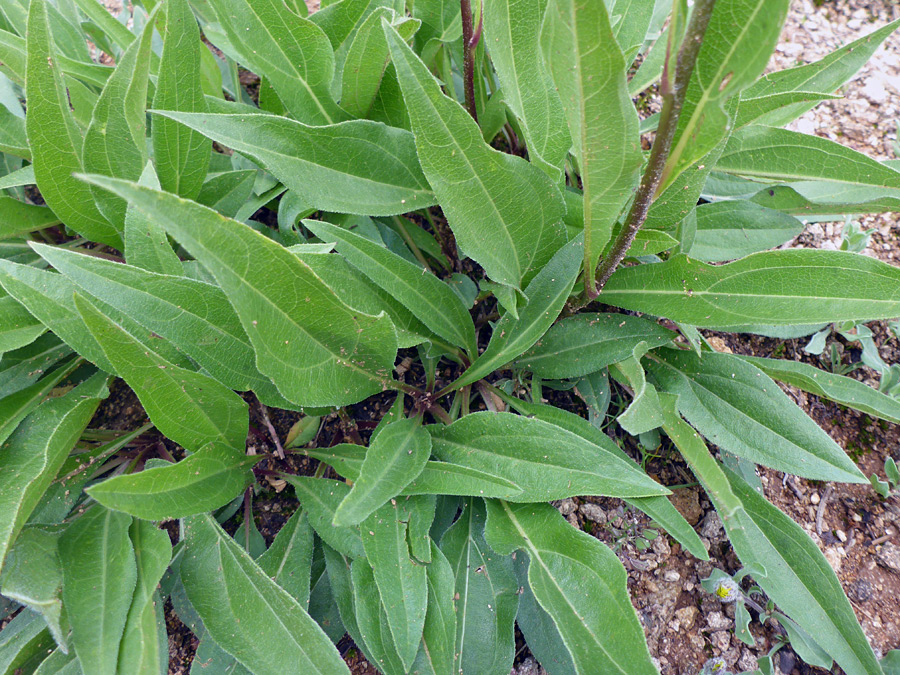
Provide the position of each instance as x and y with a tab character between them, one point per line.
23	367
400	580
289	559
371	619
504	212
823	76
181	155
54	138
190	408
194	315
146	243
18	218
631	19
49	297
438	648
547	293
394	458
32	576
586	343
838	388
737	44
320	498
431	300
739	408
659	509
782	288
99	575
238	602
33	454
18	327
784	155
317	350
298	63
512	30
24	640
368	58
357	167
144	647
643	412
728	230
115	143
818	198
201	482
589	72
545	462
797	576
579	582
488	596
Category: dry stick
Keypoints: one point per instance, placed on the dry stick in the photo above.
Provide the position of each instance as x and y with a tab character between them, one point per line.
820	512
470	41
662	144
272	433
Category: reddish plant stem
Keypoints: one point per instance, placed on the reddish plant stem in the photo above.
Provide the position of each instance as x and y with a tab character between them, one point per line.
662	144
470	41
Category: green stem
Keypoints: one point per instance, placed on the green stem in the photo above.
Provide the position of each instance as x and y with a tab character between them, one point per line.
673	102
409	242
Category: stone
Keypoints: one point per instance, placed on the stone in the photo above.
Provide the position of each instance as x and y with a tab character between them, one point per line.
711	527
718	621
860	590
834	558
747	663
720	640
593	513
686	616
687	501
889	557
528	667
567	507
671	576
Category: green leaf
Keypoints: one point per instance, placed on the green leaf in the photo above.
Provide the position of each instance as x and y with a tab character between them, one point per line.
320	498
782	288
12	134
589	72
32	576
545	462
359	167
24	366
209	478
816	198
643	414
195	316
18	327
426	296
547	293
292	53
394	458
238	602
99	576
36	450
579	582
400	580
437	478
437	650
115	143
59	663
146	243
55	140
504	212
512	29
631	21
729	230
371	619
783	155
227	192
488	596
368	58
583	344
823	76
190	408
144	647
18	218
289	559
181	155
23	641
762	109
737	407
737	44
659	509
315	348
49	297
837	388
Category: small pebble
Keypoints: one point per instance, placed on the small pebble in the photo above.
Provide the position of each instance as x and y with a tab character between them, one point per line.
814	498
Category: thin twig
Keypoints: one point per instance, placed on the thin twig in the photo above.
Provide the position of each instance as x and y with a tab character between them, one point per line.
662	144
272	433
820	512
349	428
